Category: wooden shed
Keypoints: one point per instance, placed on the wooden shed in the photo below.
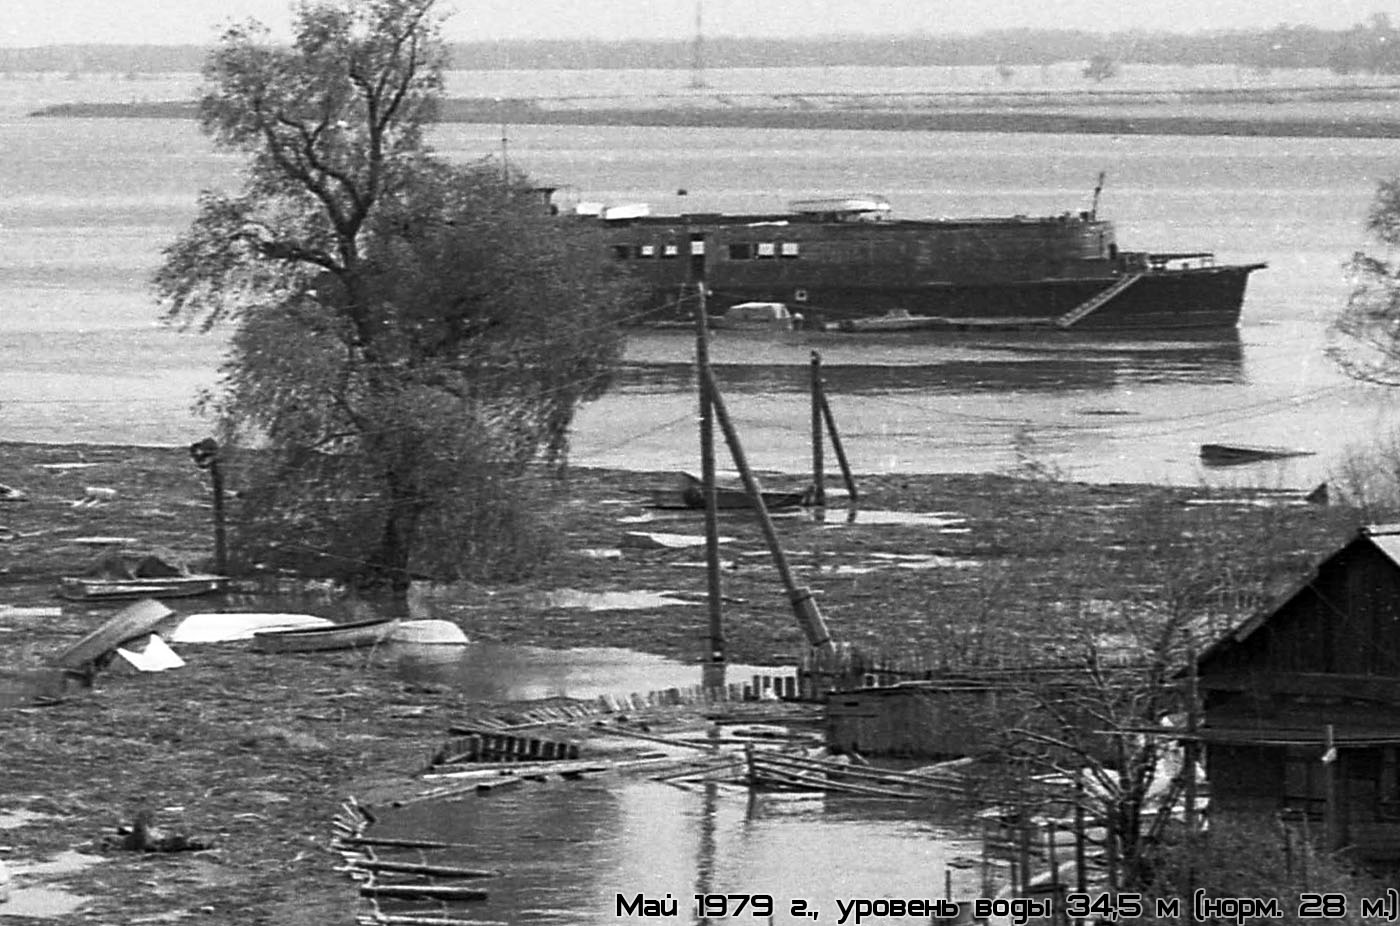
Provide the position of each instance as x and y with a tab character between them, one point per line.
919	719
946	714
1301	702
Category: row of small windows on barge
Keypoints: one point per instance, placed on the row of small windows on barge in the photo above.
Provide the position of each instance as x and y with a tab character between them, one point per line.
762	250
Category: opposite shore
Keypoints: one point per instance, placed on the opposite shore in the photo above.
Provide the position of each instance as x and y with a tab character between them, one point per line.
1306	112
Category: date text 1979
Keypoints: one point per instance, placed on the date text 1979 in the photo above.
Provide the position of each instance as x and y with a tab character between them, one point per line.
706	906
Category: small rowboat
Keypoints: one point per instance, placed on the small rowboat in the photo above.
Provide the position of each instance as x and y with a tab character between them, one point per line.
1238	454
337	636
76	588
690	493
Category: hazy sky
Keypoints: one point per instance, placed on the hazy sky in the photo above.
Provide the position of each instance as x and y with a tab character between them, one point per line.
44	22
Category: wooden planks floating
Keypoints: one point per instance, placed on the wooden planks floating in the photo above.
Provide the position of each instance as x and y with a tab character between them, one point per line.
448	872
357	849
440	892
790	772
471	745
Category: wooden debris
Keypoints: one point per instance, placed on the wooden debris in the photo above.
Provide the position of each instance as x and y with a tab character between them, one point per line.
389	843
144	836
449	872
442	892
801	773
470	745
404	919
137	619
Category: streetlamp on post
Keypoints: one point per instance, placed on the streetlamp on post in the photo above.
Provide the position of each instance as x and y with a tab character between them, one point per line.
205	455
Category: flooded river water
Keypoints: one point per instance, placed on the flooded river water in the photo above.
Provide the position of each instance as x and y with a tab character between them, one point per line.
91	203
568	850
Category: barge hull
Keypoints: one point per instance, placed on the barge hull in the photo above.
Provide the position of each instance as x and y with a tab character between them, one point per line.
1209	297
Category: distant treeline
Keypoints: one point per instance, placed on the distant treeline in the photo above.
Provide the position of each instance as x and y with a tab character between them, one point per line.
1373	47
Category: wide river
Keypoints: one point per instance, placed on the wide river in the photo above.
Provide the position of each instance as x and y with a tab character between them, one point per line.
87	205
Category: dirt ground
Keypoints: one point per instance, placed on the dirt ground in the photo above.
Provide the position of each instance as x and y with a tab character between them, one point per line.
253	753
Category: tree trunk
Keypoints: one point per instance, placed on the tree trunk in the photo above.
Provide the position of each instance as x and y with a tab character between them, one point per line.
388	568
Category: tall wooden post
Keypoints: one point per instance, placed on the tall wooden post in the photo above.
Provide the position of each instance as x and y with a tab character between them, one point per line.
1190	750
205	454
1080	837
715	655
1023	840
818	464
809	617
1331	830
840	450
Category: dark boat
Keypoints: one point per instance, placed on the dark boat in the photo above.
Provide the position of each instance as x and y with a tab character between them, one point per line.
1240	454
690	493
84	588
841	260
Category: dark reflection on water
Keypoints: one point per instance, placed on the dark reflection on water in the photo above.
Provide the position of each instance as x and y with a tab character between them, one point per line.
1048	365
568	849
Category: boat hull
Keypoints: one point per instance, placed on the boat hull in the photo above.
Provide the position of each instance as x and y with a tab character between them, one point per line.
1239	455
829	261
1208	297
361	634
86	589
690	493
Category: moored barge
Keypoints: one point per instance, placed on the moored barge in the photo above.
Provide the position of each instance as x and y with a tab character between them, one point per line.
848	263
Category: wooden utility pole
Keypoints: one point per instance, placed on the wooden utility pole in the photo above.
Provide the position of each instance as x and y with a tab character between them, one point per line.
850	480
715	655
205	454
809	617
1331	830
818	465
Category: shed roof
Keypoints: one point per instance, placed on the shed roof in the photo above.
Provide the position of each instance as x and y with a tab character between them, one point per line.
1383	537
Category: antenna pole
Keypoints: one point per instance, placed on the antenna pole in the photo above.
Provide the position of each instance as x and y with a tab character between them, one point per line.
1094	209
505	142
697	51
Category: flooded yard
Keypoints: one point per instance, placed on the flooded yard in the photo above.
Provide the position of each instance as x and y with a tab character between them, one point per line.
569	851
499	672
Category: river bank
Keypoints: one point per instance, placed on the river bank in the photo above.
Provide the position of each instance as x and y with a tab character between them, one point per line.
1299	112
253	753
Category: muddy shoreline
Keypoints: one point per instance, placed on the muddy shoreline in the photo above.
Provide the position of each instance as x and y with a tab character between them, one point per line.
254	753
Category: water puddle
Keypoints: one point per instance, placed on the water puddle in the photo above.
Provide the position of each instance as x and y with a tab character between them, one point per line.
568	850
924	561
660	540
869	563
24	612
40	900
492	671
1265	501
17	819
945	521
638	600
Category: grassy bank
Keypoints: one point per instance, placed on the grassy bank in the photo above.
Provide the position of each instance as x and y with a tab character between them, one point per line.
253	752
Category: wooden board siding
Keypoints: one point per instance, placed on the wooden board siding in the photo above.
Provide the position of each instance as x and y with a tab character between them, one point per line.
909	720
1345	621
887	254
1322	666
1244	776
